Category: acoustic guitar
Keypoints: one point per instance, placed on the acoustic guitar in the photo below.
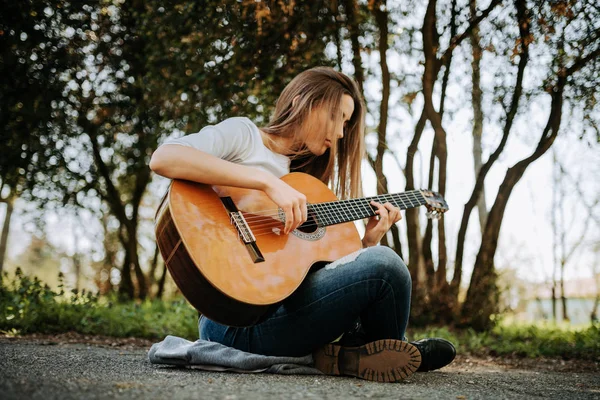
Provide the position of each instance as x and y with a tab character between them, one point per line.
226	251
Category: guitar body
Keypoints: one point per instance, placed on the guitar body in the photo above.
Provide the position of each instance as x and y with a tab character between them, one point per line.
217	272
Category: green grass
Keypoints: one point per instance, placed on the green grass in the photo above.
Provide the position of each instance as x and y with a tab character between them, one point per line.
543	340
29	306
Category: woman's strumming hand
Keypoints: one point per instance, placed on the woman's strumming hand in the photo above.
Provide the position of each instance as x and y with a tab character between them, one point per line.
291	201
387	215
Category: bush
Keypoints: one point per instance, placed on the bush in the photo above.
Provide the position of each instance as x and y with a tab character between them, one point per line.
28	306
524	341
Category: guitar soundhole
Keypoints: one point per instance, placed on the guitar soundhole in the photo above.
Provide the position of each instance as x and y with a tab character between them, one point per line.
310	226
309	230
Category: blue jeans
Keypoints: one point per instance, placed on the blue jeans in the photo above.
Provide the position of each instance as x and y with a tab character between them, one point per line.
372	285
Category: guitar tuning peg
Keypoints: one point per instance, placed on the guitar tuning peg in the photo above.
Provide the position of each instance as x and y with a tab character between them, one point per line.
430	214
438	215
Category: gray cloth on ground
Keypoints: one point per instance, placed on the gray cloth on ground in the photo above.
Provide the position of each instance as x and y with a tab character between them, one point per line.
212	356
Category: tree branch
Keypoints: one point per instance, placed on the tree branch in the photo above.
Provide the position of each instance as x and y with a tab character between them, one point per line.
580	63
456	40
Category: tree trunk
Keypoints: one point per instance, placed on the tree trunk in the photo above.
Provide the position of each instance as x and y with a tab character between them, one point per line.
5	230
596	274
413	231
77	268
153	267
110	255
396	241
482	296
142	289
523	22
428	237
126	289
594	313
428	256
76	258
432	67
381	18
476	100
556	200
161	282
351	8
563	298
338	34
554	313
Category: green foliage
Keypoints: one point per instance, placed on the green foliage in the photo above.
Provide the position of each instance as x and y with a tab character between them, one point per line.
27	306
35	52
524	341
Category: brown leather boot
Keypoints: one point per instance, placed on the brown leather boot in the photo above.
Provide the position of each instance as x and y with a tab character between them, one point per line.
386	360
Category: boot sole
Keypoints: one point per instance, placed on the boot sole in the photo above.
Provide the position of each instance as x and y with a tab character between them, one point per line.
386	360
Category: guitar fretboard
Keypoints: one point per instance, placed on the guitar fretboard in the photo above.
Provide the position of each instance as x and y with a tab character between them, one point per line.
340	211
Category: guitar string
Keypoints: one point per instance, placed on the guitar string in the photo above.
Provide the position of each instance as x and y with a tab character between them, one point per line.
404	196
340	203
260	227
351	209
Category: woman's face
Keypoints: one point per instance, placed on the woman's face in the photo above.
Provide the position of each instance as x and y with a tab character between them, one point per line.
315	136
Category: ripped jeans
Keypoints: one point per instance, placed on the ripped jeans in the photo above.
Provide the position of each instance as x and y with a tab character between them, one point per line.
372	286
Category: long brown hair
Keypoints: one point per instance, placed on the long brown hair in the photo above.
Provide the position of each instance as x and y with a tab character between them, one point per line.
323	87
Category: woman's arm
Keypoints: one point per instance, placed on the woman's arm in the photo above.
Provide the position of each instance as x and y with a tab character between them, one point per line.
181	162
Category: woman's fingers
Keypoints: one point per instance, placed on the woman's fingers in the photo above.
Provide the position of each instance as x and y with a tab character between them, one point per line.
382	214
295	215
289	219
304	208
388	214
298	216
394	212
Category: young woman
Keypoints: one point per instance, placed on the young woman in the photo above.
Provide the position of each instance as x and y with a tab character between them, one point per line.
318	128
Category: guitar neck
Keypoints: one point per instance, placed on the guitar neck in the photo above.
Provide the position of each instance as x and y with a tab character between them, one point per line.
340	211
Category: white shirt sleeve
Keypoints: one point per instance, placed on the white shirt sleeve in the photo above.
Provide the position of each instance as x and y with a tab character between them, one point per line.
229	140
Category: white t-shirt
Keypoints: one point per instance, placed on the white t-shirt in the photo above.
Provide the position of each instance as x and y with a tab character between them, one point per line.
237	140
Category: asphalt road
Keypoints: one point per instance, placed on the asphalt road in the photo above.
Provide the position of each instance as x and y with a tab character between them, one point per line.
30	369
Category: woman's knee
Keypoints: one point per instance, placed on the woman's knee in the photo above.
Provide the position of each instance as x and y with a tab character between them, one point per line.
386	263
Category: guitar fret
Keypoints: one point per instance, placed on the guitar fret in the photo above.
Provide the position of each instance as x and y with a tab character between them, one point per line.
340	211
366	207
330	216
315	211
405	200
345	211
357	209
394	201
412	194
334	213
403	206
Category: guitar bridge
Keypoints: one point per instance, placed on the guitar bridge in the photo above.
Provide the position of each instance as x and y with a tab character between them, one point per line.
238	220
244	231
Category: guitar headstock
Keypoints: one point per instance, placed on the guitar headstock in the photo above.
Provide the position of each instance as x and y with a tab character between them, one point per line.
435	203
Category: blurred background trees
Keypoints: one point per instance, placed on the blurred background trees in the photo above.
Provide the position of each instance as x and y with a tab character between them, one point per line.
89	90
